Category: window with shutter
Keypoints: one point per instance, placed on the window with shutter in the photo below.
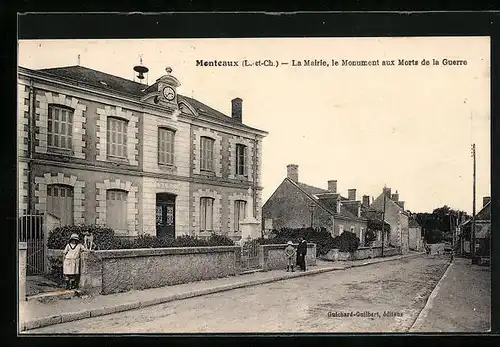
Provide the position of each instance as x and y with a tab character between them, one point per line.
206	214
60	203
241	160
239	213
165	146
117	137
206	154
60	127
116	209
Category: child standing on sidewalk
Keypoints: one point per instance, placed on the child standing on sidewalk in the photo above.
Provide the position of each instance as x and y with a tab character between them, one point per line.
290	255
71	262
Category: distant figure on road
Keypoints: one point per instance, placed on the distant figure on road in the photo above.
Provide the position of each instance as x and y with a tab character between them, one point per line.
71	262
301	254
290	255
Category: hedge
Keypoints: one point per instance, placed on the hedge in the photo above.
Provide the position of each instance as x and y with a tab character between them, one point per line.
105	239
347	242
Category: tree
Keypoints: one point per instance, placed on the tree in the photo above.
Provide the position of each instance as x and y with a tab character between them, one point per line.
438	224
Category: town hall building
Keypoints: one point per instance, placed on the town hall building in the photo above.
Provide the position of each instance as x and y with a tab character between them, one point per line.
94	148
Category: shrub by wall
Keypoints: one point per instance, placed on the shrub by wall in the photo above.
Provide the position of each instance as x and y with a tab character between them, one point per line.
105	239
348	242
322	238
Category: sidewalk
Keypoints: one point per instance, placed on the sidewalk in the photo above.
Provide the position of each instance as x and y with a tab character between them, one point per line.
34	314
461	301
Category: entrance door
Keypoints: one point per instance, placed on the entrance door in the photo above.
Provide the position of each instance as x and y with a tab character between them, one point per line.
165	216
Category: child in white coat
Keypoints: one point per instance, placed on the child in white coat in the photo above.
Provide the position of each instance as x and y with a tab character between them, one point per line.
71	261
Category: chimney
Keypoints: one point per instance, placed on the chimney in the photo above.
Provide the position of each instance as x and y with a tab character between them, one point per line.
292	172
332	186
366	200
486	200
236	109
351	194
395	196
387	192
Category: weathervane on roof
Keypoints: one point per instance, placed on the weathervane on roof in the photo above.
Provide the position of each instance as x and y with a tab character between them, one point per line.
78	59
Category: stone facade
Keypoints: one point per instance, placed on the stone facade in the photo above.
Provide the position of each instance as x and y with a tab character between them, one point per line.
132	210
397	218
288	207
90	171
61	179
132	131
43	100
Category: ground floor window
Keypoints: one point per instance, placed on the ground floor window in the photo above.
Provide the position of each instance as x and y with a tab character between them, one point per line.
60	203
206	214
116	209
239	213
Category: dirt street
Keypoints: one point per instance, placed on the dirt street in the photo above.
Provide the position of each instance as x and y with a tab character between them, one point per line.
384	297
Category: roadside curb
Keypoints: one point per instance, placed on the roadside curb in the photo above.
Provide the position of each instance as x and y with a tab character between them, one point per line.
430	300
101	311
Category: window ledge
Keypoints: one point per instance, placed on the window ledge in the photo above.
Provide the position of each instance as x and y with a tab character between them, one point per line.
167	167
123	160
60	151
207	172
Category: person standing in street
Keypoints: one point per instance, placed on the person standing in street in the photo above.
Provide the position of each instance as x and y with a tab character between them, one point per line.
301	254
71	262
290	254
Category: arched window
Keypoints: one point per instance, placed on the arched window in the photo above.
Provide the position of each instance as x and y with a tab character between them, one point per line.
116	209
207	154
60	202
117	137
239	213
60	127
206	214
166	146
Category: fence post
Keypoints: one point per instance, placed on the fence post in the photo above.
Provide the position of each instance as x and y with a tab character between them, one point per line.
263	257
237	260
23	246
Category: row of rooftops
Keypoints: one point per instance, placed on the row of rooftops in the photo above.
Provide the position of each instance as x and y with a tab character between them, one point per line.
349	207
83	76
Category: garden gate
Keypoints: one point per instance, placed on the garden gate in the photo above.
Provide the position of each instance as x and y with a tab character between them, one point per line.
30	229
250	256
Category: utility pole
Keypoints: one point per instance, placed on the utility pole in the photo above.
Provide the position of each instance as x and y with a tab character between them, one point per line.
473	233
453	236
383	222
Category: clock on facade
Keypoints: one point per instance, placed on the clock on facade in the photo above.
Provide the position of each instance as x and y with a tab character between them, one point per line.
169	93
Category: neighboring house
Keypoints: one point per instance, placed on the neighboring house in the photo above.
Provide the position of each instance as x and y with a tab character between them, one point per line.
483	231
396	216
415	235
375	224
100	149
296	205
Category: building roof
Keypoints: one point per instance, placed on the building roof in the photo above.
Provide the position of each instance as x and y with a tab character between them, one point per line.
483	215
107	82
412	223
310	191
378	204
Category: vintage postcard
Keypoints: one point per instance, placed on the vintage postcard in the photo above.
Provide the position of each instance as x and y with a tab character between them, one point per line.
269	185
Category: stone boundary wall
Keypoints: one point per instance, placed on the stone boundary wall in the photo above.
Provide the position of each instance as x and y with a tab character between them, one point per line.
272	257
362	253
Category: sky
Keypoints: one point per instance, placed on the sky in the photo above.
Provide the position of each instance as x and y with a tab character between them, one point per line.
407	127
